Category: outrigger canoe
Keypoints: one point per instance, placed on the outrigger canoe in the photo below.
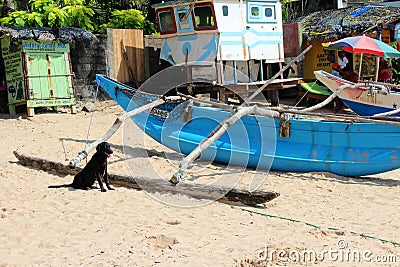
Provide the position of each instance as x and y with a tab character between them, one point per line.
364	98
286	142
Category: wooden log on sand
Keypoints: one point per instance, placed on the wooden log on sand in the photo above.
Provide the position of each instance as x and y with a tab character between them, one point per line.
158	185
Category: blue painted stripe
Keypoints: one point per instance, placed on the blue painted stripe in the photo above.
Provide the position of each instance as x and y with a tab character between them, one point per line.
263	42
236	34
187	37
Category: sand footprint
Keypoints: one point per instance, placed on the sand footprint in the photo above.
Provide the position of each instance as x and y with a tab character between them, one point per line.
161	241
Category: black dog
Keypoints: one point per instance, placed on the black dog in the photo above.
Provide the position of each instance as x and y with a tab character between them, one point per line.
96	168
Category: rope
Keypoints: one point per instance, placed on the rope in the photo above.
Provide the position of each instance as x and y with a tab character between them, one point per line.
315	226
304	95
91	119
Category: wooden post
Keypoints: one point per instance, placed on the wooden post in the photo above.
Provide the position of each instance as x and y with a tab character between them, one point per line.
376	68
360	66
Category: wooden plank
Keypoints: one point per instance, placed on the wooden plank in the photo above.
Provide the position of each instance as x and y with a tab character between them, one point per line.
291	39
134	46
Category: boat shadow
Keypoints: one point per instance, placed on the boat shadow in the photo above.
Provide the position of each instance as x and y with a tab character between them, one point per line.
137	152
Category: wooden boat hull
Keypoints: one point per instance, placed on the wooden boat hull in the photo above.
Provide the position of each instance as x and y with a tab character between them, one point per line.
344	148
365	100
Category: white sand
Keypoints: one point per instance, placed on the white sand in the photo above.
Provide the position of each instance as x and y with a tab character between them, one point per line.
126	227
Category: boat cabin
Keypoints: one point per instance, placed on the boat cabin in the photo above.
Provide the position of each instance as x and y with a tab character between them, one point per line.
245	37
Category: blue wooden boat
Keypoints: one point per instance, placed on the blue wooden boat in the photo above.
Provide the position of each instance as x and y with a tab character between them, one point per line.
295	144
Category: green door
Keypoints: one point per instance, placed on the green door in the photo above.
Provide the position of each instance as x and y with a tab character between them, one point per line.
49	75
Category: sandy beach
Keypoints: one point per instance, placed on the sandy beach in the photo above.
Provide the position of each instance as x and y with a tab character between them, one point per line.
315	212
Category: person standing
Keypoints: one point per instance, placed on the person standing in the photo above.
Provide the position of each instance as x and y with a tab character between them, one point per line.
342	60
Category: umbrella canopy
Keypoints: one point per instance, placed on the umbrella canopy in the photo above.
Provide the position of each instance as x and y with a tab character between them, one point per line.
365	45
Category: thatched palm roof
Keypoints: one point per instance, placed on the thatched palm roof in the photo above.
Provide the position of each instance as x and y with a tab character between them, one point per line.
334	24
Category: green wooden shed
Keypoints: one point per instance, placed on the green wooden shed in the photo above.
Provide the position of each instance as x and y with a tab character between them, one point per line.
35	67
38	74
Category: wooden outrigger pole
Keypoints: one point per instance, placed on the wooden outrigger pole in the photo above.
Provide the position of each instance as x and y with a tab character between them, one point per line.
118	122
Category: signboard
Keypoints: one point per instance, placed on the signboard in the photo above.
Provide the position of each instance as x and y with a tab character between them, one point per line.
14	74
44	46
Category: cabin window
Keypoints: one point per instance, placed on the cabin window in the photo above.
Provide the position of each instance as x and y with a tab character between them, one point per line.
166	21
225	11
204	17
268	12
183	20
255	12
261	13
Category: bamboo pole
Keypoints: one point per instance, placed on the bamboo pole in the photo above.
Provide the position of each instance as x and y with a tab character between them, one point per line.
224	125
118	122
380	83
259	90
386	114
262	111
329	99
214	135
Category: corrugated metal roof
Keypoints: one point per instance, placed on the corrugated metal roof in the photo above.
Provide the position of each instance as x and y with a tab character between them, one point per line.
392	4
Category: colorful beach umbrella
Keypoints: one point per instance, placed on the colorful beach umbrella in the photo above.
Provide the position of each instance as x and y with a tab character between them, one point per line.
365	45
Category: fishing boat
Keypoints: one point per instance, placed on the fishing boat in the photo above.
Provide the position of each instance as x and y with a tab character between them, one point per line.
264	138
365	98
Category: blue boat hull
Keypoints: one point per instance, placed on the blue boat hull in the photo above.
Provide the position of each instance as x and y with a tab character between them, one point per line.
343	148
363	109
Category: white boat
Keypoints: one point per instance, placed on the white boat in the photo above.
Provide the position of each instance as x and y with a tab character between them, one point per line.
364	98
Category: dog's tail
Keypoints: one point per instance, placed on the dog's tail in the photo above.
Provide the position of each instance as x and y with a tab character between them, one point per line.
59	186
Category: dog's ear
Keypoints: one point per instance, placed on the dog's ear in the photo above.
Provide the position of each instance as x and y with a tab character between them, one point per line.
99	146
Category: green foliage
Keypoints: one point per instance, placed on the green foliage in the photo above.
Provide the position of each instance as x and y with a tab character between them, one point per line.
18	18
285	12
79	16
126	19
93	15
130	19
149	27
49	13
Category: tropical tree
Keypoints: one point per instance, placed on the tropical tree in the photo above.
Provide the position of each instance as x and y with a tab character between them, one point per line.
49	13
